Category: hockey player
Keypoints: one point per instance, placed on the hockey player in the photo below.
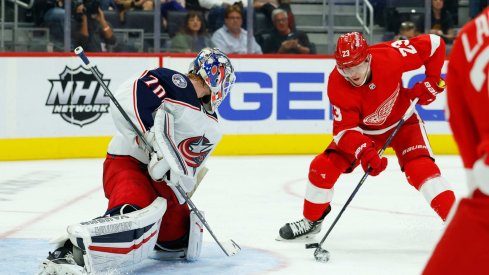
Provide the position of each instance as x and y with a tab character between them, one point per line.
145	212
368	99
464	246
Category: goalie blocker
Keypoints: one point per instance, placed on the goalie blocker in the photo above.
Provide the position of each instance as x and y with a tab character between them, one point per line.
116	241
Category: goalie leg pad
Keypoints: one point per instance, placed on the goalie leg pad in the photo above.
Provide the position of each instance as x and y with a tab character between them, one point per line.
112	242
195	237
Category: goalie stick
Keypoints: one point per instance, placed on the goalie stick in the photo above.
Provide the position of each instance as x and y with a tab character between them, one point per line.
229	247
321	254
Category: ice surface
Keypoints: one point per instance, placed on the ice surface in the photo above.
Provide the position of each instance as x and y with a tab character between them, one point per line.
387	229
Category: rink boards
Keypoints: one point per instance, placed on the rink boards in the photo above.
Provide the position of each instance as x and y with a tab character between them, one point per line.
52	107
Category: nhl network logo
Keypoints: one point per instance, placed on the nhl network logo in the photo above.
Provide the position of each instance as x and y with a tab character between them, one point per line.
77	96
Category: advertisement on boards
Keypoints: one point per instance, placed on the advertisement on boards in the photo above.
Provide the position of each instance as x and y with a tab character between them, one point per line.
58	97
276	103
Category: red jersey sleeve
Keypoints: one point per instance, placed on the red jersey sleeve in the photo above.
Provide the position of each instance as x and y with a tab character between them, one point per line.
426	49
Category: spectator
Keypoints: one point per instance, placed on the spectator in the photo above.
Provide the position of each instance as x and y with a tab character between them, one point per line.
407	30
452	7
51	14
108	5
268	6
283	40
193	37
231	38
123	6
475	7
441	22
91	31
217	12
144	5
171	5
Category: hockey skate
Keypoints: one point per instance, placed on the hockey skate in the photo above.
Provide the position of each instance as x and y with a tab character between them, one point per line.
301	229
61	261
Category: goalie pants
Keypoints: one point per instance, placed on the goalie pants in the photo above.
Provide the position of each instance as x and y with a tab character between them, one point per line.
126	181
415	159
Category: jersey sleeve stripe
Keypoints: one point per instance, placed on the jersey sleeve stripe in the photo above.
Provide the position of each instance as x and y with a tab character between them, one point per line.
173	101
435	43
135	101
144	73
338	137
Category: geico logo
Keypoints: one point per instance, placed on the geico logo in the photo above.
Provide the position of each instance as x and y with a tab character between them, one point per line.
281	96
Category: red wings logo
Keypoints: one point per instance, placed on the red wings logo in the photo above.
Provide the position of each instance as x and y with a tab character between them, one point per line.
380	115
195	150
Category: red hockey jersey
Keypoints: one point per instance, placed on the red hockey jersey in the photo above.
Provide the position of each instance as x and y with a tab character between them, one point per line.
468	91
379	104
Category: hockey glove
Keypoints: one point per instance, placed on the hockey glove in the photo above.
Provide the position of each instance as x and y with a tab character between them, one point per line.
158	166
426	90
369	158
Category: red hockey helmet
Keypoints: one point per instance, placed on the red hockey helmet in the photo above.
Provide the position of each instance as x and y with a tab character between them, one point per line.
351	50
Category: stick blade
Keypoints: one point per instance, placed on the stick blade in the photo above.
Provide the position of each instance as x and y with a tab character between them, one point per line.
231	248
312	245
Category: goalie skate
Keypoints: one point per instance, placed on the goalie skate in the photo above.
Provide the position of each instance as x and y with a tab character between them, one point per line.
301	229
61	261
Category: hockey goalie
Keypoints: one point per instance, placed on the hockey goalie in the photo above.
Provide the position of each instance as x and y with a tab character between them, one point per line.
146	214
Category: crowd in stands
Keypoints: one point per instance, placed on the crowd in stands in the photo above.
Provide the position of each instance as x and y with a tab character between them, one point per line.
444	21
222	24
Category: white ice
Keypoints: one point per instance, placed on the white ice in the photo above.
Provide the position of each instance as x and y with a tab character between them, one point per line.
387	229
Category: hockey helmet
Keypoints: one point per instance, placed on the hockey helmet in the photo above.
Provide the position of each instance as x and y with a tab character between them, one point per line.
351	50
216	70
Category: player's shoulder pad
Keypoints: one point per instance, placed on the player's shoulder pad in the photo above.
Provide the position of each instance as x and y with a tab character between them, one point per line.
177	86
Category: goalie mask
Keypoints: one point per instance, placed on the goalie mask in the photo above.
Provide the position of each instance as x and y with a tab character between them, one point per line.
353	58
216	70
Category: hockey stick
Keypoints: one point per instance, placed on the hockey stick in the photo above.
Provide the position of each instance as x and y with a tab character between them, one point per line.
229	247
321	254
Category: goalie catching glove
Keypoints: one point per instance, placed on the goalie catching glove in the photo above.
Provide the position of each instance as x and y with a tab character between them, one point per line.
166	163
427	90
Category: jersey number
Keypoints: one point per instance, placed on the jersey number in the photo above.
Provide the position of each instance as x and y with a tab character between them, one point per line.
345	53
159	91
337	114
404	47
477	75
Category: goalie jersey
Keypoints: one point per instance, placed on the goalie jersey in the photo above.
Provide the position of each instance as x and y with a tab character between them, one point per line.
195	132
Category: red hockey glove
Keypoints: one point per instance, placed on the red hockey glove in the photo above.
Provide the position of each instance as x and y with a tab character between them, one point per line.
427	90
370	157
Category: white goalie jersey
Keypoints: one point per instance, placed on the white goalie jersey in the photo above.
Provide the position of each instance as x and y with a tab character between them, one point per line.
194	132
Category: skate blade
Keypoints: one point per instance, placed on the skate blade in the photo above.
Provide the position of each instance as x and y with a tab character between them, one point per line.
298	239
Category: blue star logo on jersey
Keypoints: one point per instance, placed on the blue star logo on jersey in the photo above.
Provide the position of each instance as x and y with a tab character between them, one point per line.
179	81
195	150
